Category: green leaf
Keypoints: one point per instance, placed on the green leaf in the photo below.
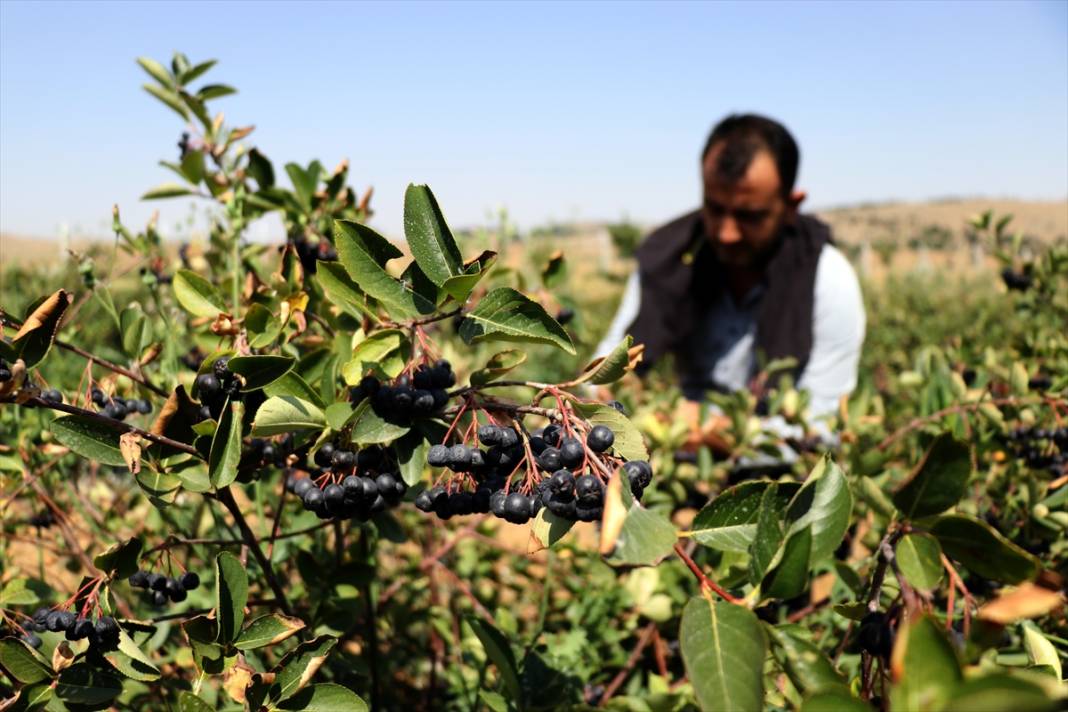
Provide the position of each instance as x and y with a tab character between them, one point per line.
411	449
325	697
499	651
613	366
629	443
1039	650
169	98
120	559
298	667
787	575
188	702
23	662
225	451
768	536
285	414
998	692
33	697
193	166
507	315
304	182
368	428
729	522
34	338
197	295
168	190
262	325
924	665
135	329
938	482
982	550
83	684
268	630
547	528
18	592
260	371
498	364
214	91
920	559
260	169
291	384
834	701
385	352
364	254
723	648
156	70
194	73
429	238
337	414
89	438
131	661
342	291
643	537
808	668
823	503
231	595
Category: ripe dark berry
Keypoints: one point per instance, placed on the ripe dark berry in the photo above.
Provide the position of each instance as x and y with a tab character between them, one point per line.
497	502
618	406
159	598
342	460
640	474
302	485
82	628
370	458
369	385
157	582
423	379
572	454
353	488
489	434
28	638
52	396
509	438
438	456
459	456
549	459
324	454
552	435
517	508
562	482
312	498
98	397
875	635
220	368
208	386
589	489
139	579
600	438
335	497
175	590
190	580
144	407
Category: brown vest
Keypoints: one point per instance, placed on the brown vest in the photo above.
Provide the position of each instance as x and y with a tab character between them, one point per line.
680	277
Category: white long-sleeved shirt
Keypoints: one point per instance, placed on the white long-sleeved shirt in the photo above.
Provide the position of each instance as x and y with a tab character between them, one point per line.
724	342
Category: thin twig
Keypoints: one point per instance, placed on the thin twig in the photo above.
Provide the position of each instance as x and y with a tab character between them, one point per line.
632	660
706	582
227	498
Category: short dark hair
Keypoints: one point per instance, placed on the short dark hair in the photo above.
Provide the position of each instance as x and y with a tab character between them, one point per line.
743	136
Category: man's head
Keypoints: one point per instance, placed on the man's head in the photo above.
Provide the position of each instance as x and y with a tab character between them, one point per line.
749	166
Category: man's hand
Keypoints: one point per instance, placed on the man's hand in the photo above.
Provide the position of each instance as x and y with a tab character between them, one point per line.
709	433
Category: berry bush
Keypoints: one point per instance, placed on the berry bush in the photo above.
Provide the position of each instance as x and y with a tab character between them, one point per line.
339	474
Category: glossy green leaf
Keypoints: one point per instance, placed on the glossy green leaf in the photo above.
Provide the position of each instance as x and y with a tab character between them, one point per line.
120	559
499	651
285	414
982	550
23	662
131	661
809	669
338	414
197	295
410	450
364	254
507	315
268	630
18	592
920	558
1039	650
156	70
729	522
262	325
231	595
325	697
298	667
614	366
385	352
188	702
369	428
33	697
787	575
769	533
939	480
225	451
645	537
83	684
925	667
169	98
1000	692
292	384
498	365
629	443
342	291
723	647
214	91
823	504
135	329
89	438
429	238
260	371
546	528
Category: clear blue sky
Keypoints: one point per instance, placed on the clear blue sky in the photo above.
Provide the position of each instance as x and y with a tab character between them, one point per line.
555	110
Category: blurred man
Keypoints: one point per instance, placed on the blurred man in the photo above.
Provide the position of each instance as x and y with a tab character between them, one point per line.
746	277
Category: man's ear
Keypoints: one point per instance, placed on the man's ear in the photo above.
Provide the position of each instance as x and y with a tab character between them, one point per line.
796	198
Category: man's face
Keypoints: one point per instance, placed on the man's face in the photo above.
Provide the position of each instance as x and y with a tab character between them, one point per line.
743	218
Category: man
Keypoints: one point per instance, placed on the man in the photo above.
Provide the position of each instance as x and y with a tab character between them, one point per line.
746	277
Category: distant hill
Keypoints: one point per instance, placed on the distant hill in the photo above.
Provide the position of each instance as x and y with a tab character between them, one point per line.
856	224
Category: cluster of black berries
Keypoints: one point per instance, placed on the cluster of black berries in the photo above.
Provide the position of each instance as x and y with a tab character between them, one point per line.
160	588
568	491
1041	448
114	407
1016	281
416	396
214	387
875	635
102	635
5	371
43	519
337	490
309	253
